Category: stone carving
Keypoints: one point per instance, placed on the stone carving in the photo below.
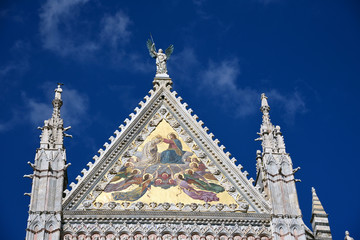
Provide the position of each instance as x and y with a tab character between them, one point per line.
161	58
165	231
347	236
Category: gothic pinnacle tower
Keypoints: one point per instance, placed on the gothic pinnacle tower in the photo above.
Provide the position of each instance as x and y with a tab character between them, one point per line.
276	178
48	178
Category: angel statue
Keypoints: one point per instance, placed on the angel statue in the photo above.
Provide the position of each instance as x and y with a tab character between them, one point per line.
161	58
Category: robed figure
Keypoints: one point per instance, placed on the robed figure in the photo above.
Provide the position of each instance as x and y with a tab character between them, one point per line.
161	58
174	153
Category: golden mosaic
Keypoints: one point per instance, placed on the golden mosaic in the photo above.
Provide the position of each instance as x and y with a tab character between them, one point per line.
164	169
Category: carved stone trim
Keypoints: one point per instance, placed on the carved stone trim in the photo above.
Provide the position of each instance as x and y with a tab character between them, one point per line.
161	95
165	230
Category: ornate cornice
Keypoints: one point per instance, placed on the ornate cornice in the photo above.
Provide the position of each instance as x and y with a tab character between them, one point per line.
164	104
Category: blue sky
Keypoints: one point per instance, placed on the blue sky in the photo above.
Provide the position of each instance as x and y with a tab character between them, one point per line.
303	54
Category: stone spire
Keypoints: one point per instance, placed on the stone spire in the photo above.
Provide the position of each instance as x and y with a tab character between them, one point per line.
271	136
319	219
275	178
52	136
48	178
267	128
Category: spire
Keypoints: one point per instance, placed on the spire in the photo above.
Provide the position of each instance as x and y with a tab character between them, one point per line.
267	129
319	219
265	109
57	102
271	136
49	177
53	130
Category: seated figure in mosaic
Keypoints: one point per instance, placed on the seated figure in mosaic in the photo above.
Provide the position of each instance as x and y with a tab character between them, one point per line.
174	153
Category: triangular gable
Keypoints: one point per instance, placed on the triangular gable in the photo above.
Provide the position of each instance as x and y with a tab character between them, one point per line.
202	177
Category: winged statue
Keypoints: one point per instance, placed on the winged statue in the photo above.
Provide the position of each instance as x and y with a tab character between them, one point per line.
161	57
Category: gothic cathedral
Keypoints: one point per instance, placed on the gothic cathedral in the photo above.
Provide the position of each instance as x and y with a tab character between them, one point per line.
162	175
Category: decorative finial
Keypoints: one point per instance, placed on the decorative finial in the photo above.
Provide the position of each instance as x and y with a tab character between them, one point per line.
58	91
267	130
265	109
53	130
347	236
161	58
313	190
264	104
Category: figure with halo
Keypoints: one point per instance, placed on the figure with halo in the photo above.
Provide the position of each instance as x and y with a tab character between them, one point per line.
174	153
160	56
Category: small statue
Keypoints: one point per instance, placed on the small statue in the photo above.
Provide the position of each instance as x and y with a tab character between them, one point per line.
161	58
347	236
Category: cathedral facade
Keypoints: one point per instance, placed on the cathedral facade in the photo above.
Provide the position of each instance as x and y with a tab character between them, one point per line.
162	175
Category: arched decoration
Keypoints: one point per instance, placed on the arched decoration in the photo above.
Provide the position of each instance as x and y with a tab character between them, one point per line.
67	236
35	224
282	233
195	237
296	230
82	236
125	236
110	236
182	237
223	237
251	237
282	228
138	236
237	237
295	233
209	237
50	229
272	167
285	166
36	230
167	236
96	236
152	236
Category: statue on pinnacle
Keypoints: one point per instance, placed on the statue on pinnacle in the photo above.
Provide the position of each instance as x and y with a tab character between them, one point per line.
160	56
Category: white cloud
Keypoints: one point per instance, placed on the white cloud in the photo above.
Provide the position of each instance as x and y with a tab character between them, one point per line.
292	103
63	34
186	62
220	79
222	76
115	29
13	121
38	111
19	64
137	63
59	12
73	111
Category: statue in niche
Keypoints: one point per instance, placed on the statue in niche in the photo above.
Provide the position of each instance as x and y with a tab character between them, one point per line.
161	57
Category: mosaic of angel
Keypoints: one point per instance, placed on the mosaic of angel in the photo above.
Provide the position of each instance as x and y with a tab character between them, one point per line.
172	167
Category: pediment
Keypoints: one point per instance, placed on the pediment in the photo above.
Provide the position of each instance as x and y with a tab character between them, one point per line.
164	160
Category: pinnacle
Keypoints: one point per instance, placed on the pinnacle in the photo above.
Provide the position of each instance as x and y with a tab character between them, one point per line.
317	207
264	103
